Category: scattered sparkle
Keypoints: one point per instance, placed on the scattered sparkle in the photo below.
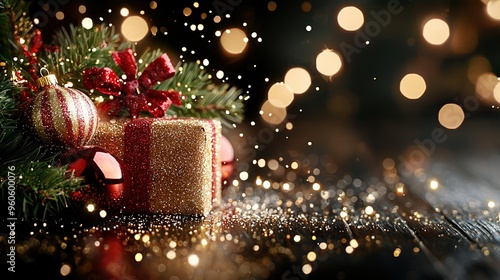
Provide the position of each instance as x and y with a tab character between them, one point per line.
397	252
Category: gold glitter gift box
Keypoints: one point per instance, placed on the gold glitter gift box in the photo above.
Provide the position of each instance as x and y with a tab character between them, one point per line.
173	163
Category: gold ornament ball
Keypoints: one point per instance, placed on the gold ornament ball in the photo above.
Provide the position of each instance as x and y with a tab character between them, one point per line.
62	116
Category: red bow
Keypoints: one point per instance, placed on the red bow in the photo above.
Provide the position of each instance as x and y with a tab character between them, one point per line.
134	93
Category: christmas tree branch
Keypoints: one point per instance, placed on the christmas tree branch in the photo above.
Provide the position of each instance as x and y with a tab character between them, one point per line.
14	23
204	99
79	49
41	188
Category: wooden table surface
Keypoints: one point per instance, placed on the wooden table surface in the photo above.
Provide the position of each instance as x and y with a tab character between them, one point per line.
362	220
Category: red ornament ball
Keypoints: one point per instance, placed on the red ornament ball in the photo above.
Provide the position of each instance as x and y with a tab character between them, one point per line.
226	150
104	174
62	116
227	158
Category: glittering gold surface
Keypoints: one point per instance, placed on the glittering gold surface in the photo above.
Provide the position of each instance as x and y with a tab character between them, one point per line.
110	136
184	156
181	164
48	80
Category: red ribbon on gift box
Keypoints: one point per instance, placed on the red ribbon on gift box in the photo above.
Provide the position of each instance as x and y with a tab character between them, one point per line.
134	93
147	189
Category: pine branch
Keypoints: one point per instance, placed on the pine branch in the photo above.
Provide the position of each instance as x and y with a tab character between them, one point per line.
16	143
80	49
14	22
17	32
41	188
5	33
203	98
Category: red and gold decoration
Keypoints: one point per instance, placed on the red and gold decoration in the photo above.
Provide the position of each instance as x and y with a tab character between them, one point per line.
164	165
134	93
62	116
104	173
174	163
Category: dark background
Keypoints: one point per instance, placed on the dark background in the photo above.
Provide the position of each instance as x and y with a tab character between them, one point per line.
398	49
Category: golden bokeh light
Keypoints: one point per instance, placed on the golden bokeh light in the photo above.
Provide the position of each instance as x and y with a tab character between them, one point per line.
138	257
154	30
412	86
271	6
234	40
60	15
82	9
493	9
388	163
273	164
436	31
306	7
124	12
280	95
307	268
193	260
298	79
496	92
65	270
451	116
271	114
485	86
187	11
433	184
87	23
350	18
134	28
328	63
90	207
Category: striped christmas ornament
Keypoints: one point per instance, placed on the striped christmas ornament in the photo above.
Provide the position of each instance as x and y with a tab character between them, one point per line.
62	116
